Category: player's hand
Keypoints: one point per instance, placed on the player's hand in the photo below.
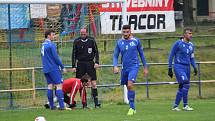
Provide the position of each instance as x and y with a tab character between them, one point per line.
89	84
73	70
146	72
195	71
64	70
115	70
96	66
72	105
170	72
84	105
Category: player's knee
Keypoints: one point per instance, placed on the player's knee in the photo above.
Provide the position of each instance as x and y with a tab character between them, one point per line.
186	86
59	86
186	82
130	85
94	84
180	86
50	86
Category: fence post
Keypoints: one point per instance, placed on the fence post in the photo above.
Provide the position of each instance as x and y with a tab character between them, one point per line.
105	45
199	79
147	87
33	86
149	43
125	92
10	53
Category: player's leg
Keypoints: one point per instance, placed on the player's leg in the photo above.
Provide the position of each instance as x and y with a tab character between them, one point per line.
57	78
124	77
131	94
81	69
95	94
84	97
178	97
186	88
179	74
131	91
92	73
49	91
54	99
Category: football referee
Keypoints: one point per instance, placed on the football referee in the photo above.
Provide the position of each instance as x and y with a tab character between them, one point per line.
85	59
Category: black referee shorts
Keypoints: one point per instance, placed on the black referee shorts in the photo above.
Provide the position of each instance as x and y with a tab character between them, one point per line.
84	67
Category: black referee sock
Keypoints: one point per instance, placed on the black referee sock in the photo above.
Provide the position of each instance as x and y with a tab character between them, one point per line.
95	96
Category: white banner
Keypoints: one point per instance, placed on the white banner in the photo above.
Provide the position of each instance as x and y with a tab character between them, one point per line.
143	16
38	10
149	21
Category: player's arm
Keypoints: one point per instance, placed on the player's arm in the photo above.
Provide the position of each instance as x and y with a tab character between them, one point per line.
96	51
171	56
141	53
56	57
74	54
193	62
83	95
115	58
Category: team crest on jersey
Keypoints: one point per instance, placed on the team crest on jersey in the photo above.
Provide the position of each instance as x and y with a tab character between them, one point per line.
132	44
191	48
90	50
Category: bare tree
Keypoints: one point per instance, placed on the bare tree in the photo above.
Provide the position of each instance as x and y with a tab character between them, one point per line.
188	11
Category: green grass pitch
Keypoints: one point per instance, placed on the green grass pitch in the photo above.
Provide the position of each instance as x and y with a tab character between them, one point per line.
149	110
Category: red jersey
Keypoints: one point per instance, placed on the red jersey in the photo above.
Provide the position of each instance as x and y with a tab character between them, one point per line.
71	86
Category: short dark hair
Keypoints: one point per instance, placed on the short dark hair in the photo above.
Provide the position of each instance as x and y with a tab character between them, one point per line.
85	78
48	32
188	29
126	27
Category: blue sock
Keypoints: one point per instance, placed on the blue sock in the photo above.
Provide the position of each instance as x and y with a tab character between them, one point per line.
178	98
131	98
60	98
185	90
50	98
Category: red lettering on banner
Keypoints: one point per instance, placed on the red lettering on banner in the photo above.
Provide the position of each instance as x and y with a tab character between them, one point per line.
139	5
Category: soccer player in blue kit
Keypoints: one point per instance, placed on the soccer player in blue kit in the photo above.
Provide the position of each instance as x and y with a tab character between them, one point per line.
129	47
52	67
183	54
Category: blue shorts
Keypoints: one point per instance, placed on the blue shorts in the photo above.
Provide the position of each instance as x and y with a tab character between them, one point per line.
54	77
129	74
182	73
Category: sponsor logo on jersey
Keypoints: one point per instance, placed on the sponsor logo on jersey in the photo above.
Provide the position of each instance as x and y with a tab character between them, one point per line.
132	44
191	48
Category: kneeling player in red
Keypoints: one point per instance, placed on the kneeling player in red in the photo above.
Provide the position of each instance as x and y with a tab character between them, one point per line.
71	86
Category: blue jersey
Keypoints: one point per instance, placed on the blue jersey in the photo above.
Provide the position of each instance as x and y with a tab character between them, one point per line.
183	53
129	50
50	59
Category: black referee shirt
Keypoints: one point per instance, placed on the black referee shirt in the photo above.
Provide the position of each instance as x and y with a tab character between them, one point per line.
84	50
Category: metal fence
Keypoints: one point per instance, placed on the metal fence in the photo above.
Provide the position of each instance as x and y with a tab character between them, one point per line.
33	88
